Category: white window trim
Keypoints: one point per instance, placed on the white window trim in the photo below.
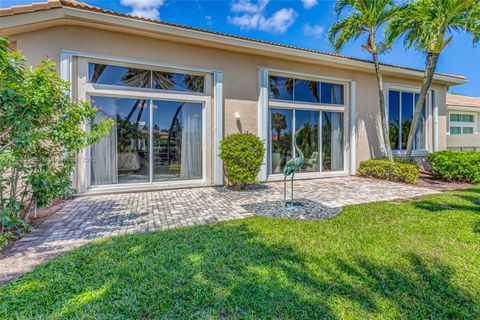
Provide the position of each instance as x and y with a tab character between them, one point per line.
410	89
462	124
214	98
265	104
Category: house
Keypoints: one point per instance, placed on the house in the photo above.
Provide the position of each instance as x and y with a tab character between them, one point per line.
463	122
176	91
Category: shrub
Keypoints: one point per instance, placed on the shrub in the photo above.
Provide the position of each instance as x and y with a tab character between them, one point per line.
41	133
242	155
393	171
456	165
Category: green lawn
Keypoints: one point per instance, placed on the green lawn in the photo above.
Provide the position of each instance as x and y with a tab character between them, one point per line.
411	260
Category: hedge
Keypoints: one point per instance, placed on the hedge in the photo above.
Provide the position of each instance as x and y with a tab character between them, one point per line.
393	171
456	165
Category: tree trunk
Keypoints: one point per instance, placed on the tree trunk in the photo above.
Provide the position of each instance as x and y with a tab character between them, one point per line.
383	115
432	60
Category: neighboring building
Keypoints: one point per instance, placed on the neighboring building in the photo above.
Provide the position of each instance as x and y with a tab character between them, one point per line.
463	123
193	87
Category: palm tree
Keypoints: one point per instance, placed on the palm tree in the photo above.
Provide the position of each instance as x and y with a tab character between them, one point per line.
365	17
279	122
428	25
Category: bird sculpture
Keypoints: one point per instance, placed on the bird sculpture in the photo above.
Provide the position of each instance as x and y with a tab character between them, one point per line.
291	167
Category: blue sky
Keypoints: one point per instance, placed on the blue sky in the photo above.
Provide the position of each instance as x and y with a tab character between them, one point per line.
294	22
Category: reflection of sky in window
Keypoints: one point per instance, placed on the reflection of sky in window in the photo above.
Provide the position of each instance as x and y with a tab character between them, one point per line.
303	117
407	106
393	110
164	112
122	107
306	91
331	93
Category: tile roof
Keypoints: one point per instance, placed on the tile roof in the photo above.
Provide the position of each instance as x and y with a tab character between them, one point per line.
464	101
52	4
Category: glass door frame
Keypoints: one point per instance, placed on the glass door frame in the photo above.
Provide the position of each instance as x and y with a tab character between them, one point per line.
289	105
151	97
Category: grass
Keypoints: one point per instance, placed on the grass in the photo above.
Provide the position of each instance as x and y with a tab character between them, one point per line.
406	260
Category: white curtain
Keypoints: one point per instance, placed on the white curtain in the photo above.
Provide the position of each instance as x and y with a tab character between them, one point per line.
337	141
104	156
191	152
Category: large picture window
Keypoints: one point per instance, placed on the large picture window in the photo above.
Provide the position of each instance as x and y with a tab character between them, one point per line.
401	107
158	136
319	138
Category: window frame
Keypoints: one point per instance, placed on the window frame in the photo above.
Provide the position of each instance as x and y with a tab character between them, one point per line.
319	80
151	68
117	91
462	124
309	106
414	90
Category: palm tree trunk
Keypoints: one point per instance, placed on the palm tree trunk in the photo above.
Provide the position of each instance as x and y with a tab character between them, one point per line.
383	116
432	60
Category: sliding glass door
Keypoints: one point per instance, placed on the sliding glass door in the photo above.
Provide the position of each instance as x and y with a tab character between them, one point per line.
177	140
319	137
151	141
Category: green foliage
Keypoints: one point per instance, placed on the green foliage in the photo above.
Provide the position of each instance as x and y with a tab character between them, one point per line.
387	260
393	171
456	165
429	25
41	133
242	155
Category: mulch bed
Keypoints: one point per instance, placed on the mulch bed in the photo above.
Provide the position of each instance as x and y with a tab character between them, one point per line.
427	180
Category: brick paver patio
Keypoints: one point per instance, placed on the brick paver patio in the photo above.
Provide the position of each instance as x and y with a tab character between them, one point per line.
87	218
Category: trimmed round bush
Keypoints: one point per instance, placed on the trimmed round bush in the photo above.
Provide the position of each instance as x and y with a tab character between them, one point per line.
242	155
456	165
394	171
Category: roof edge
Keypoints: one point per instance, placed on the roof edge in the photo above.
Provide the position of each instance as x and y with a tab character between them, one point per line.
84	11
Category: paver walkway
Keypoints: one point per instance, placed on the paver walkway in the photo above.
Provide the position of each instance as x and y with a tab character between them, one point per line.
87	218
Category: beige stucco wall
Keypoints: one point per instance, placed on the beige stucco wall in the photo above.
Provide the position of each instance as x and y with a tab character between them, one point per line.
464	140
240	75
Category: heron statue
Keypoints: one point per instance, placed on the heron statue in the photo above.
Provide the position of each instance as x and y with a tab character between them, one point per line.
292	166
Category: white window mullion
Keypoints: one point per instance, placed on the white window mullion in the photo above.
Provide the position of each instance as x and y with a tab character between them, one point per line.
320	142
150	138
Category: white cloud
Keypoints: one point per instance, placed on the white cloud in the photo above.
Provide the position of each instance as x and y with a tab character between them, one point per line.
246	6
144	8
252	15
307	4
313	30
280	21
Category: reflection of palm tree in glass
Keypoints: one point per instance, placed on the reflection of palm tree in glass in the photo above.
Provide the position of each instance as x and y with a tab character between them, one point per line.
175	127
394	134
279	122
275	90
405	131
313	87
137	78
306	139
194	83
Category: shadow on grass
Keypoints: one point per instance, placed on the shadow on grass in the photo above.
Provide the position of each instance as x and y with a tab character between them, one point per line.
229	271
470	197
